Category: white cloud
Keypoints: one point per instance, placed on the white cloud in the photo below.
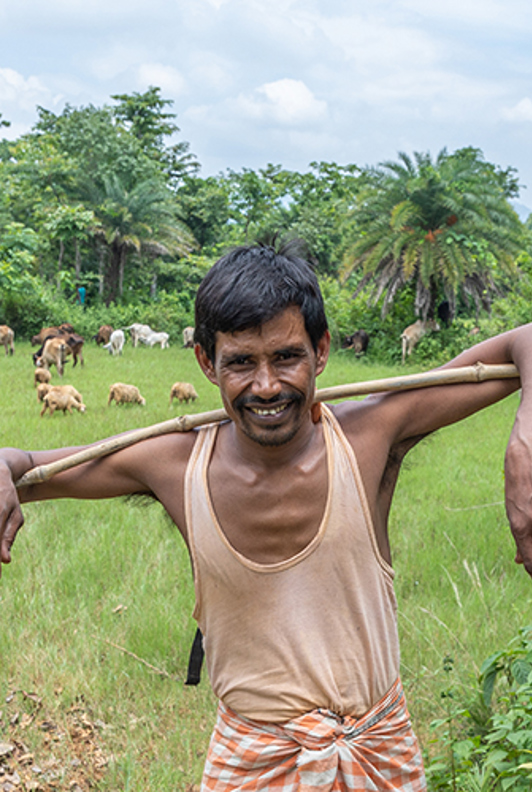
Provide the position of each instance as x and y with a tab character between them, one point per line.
22	92
522	111
287	102
168	79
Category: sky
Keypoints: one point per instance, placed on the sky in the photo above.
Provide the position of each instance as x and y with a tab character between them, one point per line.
287	82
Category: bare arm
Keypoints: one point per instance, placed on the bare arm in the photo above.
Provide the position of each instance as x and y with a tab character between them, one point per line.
155	466
383	428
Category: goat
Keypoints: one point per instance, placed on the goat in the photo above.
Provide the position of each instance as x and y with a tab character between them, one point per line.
411	335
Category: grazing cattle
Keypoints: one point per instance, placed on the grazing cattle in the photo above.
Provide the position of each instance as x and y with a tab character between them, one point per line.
60	400
41	375
7	337
53	353
188	337
156	338
139	332
411	335
125	394
103	336
358	341
116	342
183	392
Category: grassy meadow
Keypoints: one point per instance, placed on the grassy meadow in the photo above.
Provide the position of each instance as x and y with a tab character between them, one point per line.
95	609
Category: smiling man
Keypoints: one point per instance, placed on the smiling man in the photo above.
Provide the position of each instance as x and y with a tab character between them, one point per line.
284	509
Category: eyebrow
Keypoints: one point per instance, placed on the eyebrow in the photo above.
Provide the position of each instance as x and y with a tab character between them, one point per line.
297	349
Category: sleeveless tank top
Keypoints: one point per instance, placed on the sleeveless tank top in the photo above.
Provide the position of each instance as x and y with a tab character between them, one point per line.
318	629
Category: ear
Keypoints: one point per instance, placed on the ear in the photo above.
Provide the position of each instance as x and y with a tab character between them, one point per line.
322	352
205	364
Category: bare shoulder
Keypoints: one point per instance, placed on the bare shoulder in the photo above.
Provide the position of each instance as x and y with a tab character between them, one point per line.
158	459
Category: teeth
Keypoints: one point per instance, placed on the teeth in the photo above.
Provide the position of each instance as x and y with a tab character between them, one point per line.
271	411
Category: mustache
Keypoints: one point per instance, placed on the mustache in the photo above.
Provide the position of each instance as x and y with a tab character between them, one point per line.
245	401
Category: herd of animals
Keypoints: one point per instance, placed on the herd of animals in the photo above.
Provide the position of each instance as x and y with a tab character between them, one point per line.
57	344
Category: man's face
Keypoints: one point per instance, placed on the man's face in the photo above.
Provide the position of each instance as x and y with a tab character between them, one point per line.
267	376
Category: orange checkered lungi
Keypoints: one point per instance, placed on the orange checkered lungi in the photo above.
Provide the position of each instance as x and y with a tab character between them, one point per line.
317	752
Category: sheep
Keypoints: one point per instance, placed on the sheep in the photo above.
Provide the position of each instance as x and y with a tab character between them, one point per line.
116	342
41	375
44	388
125	394
60	400
183	392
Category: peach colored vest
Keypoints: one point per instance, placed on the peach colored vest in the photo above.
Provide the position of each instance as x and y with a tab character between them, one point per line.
316	630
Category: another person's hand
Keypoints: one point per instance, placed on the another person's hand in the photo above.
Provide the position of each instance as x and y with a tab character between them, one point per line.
11	517
518	470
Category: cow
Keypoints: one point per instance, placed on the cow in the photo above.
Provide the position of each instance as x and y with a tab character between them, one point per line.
188	337
411	335
358	341
103	336
7	337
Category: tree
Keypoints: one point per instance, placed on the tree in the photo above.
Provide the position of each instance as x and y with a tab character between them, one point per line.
142	114
445	227
143	219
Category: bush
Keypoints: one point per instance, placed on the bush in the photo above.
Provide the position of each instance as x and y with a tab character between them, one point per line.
489	744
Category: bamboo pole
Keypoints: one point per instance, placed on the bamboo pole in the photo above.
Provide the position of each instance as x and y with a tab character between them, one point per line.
480	372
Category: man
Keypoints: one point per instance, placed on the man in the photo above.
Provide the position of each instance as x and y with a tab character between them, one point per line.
284	509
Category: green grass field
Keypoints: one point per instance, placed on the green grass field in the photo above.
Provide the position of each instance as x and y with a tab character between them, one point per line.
95	623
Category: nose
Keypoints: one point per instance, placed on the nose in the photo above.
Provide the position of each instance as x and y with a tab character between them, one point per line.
265	383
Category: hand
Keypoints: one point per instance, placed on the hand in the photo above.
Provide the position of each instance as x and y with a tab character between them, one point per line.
11	519
518	469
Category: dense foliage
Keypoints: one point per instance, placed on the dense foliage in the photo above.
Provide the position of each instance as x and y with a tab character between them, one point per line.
105	198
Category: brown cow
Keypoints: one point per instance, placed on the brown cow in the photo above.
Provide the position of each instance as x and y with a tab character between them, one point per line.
7	339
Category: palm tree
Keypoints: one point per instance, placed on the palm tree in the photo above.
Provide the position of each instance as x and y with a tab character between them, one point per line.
445	226
143	219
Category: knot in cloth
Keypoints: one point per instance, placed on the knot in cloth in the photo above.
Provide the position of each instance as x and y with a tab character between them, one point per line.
317	752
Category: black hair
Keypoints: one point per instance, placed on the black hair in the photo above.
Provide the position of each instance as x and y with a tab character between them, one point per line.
251	285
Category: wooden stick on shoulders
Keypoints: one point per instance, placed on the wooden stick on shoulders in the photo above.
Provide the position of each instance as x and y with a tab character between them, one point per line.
480	372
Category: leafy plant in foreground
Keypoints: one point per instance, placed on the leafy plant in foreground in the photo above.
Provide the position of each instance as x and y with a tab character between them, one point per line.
494	755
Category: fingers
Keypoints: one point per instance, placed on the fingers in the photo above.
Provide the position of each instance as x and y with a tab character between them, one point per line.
14	522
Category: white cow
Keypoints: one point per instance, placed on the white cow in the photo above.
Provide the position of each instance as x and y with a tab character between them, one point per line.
411	335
